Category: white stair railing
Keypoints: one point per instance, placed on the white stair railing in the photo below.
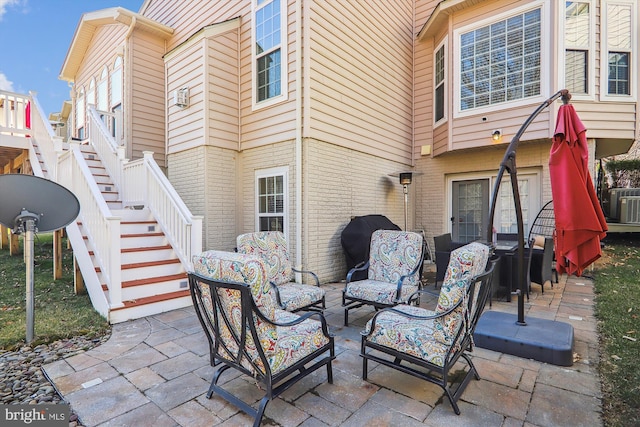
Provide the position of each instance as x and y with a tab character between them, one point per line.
153	189
13	113
104	144
102	228
48	143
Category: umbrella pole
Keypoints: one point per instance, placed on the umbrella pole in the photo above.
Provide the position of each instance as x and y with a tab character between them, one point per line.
508	164
544	340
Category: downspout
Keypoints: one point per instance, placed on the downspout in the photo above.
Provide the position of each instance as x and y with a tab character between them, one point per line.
298	142
126	70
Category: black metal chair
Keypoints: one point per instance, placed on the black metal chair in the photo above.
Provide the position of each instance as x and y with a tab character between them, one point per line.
544	225
442	245
393	272
540	263
235	304
428	344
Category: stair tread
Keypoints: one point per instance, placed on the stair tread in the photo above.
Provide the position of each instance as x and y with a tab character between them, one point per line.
146	248
152	299
148	280
151	263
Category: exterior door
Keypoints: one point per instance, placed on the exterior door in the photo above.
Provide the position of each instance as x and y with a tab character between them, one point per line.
470	210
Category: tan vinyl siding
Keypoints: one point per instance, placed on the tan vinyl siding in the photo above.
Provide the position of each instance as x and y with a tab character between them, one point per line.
608	119
361	77
209	189
223	82
148	98
185	125
102	51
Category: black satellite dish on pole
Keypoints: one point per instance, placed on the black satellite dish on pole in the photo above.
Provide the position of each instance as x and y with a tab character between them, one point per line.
30	204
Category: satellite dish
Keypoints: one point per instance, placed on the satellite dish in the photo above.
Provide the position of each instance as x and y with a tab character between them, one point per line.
29	204
24	197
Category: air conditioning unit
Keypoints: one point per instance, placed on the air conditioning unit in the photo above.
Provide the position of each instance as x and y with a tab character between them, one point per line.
616	196
630	210
181	97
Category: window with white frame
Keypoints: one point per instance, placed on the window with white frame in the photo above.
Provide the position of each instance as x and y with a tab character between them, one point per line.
618	41
499	61
439	83
269	53
91	93
103	101
80	114
116	83
578	41
272	200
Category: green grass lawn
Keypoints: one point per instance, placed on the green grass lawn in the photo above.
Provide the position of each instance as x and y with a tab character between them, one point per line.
617	284
59	313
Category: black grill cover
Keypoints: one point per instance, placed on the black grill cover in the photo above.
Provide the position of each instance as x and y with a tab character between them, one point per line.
356	239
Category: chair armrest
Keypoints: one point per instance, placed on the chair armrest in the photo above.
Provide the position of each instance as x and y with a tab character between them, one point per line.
311	273
300	319
275	289
409	316
413	272
359	267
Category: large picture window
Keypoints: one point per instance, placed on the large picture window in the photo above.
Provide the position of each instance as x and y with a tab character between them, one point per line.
500	62
272	200
269	57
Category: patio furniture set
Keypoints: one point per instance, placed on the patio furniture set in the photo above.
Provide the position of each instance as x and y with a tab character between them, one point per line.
262	324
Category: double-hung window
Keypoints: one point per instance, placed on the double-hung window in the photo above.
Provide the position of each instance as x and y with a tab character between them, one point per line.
439	83
619	41
578	43
499	60
272	200
269	52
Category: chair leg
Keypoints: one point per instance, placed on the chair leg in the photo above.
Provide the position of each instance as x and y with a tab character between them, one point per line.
261	408
346	317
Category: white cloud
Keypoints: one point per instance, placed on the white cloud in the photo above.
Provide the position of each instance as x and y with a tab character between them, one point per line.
5	83
6	3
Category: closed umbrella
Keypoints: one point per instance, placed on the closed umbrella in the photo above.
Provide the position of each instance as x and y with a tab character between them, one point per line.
580	222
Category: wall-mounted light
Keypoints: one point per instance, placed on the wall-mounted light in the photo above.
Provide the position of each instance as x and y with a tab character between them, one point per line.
496	135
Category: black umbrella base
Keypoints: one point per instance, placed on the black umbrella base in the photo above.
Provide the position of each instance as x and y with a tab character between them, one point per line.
543	340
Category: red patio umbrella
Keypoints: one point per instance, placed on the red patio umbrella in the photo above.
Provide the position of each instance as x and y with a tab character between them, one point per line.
580	222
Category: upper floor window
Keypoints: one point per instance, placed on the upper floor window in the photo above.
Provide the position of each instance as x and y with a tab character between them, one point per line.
269	31
80	114
500	61
439	84
103	101
91	93
578	47
618	42
116	83
272	200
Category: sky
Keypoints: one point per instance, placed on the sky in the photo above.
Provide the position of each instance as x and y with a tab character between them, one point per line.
35	36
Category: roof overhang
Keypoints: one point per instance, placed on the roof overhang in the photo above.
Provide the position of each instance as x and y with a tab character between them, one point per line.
612	147
206	32
87	26
440	15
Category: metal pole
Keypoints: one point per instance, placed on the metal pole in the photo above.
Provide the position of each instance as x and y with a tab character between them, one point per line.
405	189
28	250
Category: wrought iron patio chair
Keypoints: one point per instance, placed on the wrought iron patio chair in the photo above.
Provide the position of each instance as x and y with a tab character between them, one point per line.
427	344
271	246
544	225
393	272
234	302
540	262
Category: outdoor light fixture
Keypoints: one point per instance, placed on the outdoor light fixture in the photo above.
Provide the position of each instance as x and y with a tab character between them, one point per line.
496	135
405	179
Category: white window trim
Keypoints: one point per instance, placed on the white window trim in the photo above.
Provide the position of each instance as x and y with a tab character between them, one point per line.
535	194
283	57
604	54
117	68
545	56
591	66
445	45
265	173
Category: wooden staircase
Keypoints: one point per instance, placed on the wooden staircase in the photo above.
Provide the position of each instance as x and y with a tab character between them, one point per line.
153	278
